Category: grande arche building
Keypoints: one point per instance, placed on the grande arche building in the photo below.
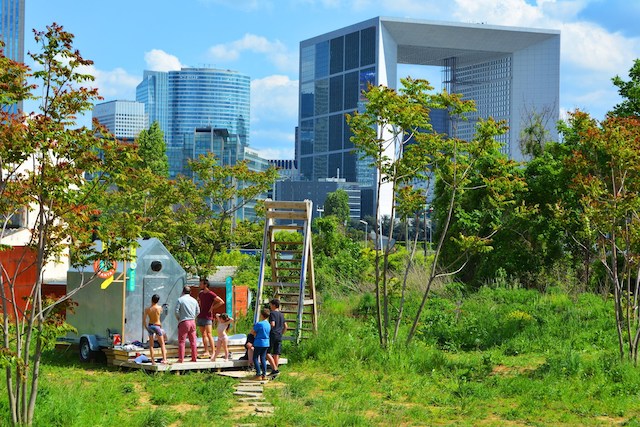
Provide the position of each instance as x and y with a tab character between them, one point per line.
510	72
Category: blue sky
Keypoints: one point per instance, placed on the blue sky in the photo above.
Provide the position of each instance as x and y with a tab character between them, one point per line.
260	38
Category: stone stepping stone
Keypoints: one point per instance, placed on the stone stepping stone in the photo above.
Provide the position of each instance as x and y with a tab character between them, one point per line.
265	410
246	393
253	388
251	399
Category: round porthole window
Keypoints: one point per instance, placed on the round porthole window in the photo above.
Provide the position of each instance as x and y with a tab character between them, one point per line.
156	266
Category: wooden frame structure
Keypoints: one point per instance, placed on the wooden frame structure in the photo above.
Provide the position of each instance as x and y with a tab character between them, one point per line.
289	257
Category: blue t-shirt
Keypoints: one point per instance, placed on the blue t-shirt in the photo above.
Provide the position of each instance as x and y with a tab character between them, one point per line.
262	329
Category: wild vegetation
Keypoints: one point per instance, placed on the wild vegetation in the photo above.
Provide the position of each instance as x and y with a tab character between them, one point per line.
498	356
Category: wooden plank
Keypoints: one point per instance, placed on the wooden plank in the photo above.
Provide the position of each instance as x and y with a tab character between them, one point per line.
174	366
292	215
285	227
285	205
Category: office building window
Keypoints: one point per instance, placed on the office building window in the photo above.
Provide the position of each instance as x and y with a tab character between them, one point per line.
335	132
322	97
335	94
352	51
347	134
306	137
335	165
307	63
306	99
351	87
319	167
322	60
337	55
321	134
349	167
367	46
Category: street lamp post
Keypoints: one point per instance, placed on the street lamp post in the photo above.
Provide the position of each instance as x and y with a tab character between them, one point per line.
366	231
320	209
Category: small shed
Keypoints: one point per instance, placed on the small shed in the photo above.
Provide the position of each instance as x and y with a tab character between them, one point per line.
118	308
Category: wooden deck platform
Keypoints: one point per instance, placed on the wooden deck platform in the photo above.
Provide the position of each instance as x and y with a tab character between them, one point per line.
126	359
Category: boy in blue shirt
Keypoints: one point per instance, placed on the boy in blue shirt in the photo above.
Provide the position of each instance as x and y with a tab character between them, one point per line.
261	331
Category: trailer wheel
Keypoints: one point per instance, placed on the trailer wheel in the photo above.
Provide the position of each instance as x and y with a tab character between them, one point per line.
85	350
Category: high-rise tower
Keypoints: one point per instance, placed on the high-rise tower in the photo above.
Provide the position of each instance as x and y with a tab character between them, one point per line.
124	119
195	98
508	71
12	30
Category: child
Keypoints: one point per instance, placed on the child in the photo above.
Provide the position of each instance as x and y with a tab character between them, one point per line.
261	344
223	340
278	329
154	328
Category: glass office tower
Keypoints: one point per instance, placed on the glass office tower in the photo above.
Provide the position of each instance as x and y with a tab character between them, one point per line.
153	93
12	31
195	98
508	72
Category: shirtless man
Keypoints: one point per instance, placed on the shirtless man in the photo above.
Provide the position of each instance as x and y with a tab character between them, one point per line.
154	327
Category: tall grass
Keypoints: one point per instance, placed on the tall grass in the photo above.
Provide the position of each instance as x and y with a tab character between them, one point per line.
496	357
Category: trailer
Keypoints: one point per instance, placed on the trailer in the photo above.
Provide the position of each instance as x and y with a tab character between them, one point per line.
109	311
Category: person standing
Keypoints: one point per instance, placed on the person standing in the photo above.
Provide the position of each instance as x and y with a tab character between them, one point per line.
154	328
187	309
224	321
261	331
278	329
208	301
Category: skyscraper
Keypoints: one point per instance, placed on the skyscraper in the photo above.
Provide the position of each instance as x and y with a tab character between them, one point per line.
195	98
507	71
12	30
153	92
124	119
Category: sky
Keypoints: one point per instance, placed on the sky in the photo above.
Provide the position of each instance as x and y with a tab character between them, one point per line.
260	38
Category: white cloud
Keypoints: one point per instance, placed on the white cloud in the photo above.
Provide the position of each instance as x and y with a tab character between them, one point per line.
113	84
159	60
590	46
275	51
277	153
274	99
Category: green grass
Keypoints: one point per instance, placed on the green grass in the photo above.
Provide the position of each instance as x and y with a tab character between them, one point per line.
503	357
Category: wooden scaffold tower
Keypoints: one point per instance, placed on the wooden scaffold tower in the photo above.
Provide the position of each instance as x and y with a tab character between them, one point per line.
287	255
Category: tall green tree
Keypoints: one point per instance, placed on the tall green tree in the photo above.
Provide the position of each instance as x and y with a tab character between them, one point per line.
630	92
337	204
204	219
606	170
153	150
485	185
395	135
44	161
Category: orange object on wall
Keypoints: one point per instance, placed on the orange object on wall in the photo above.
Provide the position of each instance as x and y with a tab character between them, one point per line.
18	268
240	300
20	265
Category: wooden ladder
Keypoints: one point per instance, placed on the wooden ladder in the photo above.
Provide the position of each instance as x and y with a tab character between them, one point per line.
289	256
